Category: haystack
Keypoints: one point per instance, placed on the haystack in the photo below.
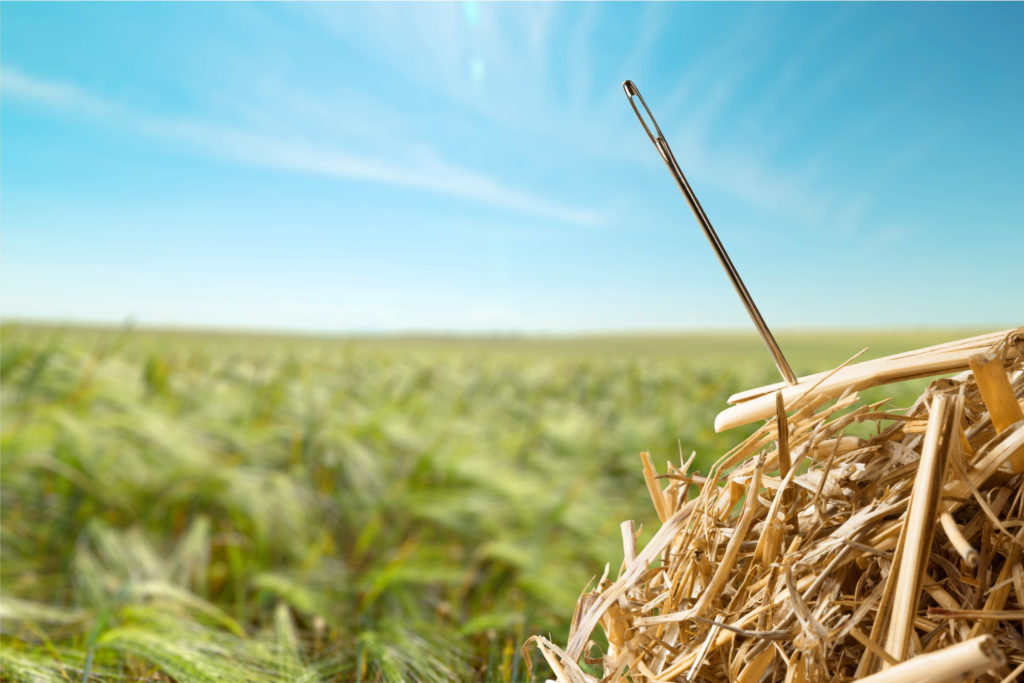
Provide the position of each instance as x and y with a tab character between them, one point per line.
808	553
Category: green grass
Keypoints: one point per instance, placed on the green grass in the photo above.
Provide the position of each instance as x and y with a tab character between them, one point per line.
225	507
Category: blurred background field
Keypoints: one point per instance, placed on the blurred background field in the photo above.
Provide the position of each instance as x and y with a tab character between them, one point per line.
211	506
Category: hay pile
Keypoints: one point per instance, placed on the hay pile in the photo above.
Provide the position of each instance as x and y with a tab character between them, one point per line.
810	554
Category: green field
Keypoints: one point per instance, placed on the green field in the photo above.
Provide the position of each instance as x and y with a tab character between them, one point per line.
198	506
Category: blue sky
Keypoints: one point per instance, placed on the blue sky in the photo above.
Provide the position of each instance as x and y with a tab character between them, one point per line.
476	167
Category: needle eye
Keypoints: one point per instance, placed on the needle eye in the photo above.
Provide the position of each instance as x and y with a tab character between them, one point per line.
633	93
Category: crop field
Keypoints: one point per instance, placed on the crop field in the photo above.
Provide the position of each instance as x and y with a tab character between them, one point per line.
218	507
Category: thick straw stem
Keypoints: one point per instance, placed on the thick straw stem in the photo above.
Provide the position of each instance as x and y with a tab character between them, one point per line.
920	523
998	395
948	664
651	478
785	459
628	541
759	404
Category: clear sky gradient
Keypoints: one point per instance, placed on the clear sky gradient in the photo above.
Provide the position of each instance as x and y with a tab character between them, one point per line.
476	167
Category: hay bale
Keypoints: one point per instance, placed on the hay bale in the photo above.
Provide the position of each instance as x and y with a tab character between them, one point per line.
811	554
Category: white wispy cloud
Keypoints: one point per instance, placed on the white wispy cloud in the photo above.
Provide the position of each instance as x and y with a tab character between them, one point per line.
426	171
14	82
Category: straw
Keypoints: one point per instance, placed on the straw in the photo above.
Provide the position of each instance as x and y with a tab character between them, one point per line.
830	568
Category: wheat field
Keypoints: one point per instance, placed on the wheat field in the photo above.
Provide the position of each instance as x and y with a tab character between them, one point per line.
198	506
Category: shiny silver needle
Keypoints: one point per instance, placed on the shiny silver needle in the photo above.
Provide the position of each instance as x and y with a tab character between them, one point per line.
698	211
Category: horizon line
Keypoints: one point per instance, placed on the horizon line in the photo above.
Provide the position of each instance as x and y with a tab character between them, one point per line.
441	333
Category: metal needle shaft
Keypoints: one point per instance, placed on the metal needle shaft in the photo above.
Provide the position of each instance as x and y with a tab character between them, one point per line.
665	152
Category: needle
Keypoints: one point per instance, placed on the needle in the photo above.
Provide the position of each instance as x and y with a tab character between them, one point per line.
665	152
